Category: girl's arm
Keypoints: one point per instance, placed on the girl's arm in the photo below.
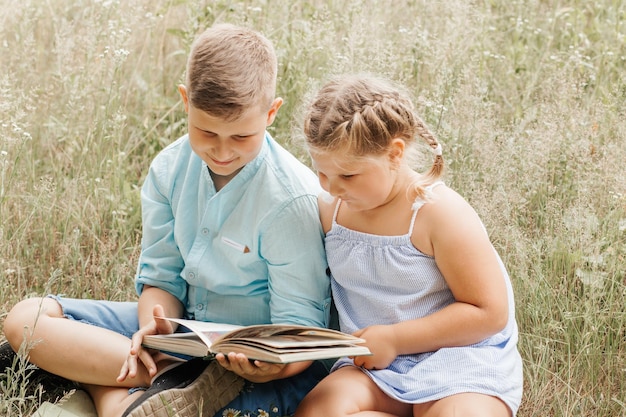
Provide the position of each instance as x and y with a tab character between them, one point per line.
449	229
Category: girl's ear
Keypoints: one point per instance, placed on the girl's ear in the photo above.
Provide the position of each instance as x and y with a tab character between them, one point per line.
396	151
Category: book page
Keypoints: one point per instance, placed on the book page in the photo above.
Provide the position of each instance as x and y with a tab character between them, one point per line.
288	341
208	332
270	330
211	333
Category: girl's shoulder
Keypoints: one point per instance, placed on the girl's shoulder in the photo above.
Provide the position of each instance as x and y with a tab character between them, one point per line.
442	200
327	205
444	214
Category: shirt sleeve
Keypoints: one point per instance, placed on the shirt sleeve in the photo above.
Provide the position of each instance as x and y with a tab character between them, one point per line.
293	246
160	261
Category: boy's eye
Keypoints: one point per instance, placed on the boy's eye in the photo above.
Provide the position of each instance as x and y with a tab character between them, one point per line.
241	137
347	176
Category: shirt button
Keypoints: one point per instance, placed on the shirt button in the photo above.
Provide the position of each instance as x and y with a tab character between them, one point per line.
191	276
199	307
205	231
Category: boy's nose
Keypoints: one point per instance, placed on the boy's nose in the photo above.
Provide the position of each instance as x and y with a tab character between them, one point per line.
222	153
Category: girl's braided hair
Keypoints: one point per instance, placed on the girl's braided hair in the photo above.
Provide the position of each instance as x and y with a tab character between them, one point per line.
361	115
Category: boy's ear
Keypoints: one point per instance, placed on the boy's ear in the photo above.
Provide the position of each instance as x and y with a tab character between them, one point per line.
183	94
271	113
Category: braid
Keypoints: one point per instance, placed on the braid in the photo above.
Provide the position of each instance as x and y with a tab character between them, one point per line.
436	170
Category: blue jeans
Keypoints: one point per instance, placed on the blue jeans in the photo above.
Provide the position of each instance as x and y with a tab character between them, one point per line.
271	399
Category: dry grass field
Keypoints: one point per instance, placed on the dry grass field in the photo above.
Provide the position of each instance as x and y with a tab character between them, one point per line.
527	96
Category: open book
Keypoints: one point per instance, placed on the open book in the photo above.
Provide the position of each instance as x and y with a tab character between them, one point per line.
277	343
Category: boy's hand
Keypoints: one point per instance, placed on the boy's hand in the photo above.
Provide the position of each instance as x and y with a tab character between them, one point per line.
138	353
254	371
381	342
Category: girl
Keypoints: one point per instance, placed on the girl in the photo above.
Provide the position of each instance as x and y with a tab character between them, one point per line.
413	270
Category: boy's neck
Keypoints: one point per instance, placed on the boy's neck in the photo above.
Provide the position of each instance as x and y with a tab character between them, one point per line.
220	181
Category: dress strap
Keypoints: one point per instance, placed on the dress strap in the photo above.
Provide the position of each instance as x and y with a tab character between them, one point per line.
336	210
419	202
413	217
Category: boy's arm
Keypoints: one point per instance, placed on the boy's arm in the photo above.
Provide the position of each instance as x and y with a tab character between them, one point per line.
293	246
160	262
152	302
152	296
258	371
158	280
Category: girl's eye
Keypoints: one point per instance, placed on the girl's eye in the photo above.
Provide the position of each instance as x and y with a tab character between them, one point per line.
347	176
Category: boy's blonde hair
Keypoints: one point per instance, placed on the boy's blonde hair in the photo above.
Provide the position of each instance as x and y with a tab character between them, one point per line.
361	115
231	69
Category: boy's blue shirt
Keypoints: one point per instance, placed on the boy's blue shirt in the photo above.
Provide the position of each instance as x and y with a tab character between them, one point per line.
251	253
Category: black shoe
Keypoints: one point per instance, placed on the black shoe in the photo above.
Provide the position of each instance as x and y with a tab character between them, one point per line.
194	388
7	356
19	372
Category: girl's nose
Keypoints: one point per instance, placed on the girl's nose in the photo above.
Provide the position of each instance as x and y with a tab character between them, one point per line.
333	187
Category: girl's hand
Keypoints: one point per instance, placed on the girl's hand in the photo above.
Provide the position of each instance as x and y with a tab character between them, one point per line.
138	353
254	371
381	341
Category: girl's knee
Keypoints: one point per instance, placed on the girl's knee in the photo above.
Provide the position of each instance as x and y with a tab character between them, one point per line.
342	393
26	315
466	404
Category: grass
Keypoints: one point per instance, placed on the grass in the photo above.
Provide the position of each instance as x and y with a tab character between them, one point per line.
528	98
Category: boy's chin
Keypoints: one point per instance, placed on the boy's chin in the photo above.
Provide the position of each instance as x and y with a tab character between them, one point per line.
224	171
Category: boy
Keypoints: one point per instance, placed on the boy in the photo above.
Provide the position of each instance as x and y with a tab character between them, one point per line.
230	234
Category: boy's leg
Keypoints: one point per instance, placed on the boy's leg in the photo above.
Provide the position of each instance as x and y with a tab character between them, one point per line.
83	340
215	387
111	401
195	388
77	348
276	398
24	375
